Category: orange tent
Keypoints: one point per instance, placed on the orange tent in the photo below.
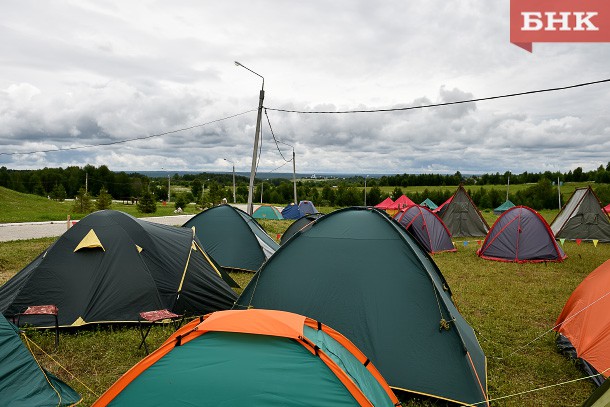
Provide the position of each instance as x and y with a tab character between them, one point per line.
584	323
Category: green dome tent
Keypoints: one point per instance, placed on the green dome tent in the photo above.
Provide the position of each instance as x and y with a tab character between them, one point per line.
23	382
233	238
504	207
253	358
267	212
110	266
360	272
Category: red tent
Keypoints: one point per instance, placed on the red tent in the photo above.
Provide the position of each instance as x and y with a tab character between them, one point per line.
443	205
402	202
607	209
385	204
584	323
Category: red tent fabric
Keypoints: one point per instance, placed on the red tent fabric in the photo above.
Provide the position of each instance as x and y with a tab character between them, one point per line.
607	208
443	205
585	322
402	202
385	204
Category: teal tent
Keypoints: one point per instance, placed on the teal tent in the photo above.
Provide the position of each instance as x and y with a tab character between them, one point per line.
429	204
253	358
504	207
23	382
233	238
362	273
267	212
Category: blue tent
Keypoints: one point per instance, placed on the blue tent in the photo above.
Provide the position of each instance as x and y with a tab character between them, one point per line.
293	212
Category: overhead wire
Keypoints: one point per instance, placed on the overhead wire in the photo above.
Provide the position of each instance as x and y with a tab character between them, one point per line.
274	139
128	140
398	109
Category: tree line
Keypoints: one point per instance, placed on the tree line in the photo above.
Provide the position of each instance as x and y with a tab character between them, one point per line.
210	188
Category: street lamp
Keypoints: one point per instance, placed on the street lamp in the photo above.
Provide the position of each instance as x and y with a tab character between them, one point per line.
294	179
234	201
250	207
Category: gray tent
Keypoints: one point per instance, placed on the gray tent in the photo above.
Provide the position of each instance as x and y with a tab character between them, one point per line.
582	217
462	217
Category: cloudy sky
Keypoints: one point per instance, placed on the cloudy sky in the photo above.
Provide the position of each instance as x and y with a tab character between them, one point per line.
78	73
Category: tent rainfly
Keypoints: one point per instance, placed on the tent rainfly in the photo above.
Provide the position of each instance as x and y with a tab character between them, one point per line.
253	358
298	225
461	216
582	217
428	203
233	238
385	204
584	323
393	302
23	382
110	266
504	207
267	212
427	228
521	235
292	211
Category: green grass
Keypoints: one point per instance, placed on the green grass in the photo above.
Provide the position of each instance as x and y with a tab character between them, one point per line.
509	306
19	207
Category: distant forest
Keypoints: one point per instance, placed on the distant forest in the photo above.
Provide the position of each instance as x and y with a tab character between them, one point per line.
211	188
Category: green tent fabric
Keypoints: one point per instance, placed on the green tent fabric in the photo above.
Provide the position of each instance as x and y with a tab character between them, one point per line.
582	217
23	382
462	217
371	280
600	397
270	365
504	207
267	212
233	238
110	266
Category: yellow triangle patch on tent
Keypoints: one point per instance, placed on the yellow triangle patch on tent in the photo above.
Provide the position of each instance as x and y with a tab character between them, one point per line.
595	242
90	241
139	249
79	322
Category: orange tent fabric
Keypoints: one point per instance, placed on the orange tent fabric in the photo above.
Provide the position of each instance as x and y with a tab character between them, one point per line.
585	320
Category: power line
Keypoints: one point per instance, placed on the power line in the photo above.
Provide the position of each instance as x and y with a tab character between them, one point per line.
274	139
531	92
129	140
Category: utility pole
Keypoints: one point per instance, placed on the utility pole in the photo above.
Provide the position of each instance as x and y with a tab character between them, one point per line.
250	208
86	182
365	189
234	200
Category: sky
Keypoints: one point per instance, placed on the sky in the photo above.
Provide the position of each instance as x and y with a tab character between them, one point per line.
80	78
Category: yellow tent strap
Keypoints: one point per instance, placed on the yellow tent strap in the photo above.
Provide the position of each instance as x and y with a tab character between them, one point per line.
28	341
43	372
207	258
186	266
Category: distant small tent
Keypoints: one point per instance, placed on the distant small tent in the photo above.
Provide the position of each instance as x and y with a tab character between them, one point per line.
521	235
385	204
292	211
255	358
233	238
428	203
110	266
359	271
427	228
267	212
582	217
23	382
462	216
584	323
399	204
297	225
504	207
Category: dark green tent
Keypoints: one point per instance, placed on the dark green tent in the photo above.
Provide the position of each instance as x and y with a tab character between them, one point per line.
233	238
23	382
298	225
360	272
504	207
582	217
461	216
110	266
253	358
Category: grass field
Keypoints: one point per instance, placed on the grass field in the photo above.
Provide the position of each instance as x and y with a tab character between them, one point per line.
512	308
